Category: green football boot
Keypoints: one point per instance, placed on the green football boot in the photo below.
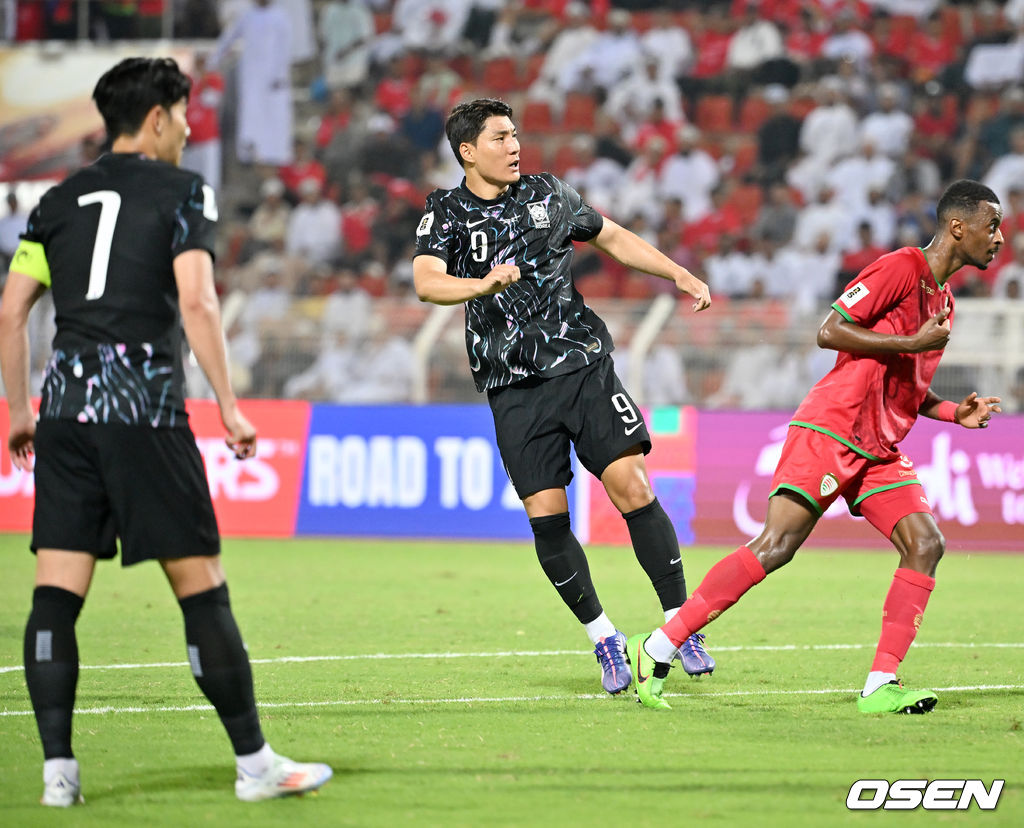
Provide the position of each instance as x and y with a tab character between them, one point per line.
892	698
647	684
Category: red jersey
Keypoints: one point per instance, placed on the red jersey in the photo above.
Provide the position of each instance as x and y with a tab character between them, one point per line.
203	113
870	402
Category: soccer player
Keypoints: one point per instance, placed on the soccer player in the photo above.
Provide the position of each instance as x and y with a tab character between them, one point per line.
889	327
126	246
501	243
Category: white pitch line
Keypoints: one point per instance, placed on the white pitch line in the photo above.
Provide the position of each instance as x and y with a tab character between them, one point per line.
531	653
100	711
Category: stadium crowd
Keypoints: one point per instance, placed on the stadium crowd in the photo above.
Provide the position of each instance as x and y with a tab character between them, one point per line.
775	147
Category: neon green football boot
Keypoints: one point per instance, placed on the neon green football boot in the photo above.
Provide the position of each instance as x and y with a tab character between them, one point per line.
646	683
892	698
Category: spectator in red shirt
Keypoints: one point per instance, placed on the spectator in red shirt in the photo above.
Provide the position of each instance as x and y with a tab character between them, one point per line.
394	92
203	150
304	167
335	120
929	50
723	219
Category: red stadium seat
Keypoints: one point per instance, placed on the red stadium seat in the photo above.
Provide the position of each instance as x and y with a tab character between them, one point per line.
754	111
536	117
714	113
531	68
580	112
744	154
499	75
531	158
747	200
565	157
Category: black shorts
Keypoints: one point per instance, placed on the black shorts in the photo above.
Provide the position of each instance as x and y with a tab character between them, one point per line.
146	486
537	418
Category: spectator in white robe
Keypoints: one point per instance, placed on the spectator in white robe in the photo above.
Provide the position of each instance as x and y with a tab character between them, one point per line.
596	176
830	129
690	174
1007	171
670	43
889	127
631	100
314	227
346	30
264	129
558	68
303	41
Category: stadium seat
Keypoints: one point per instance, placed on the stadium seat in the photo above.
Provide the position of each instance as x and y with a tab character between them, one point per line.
531	68
800	106
565	158
531	158
744	154
536	117
754	111
714	113
499	74
580	112
747	200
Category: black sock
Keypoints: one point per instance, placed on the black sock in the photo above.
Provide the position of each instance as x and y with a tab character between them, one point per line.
220	665
51	666
562	559
657	549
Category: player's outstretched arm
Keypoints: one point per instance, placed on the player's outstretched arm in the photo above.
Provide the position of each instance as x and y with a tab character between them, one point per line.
200	316
972	412
20	293
435	284
840	334
629	249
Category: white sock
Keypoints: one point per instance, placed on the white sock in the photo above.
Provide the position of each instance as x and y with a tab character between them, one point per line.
875	680
53	767
670	614
258	763
599	628
659	647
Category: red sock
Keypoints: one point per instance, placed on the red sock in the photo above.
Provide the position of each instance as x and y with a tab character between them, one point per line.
722	587
901	616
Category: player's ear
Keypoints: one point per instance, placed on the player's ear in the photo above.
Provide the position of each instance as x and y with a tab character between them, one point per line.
157	119
467	151
956	228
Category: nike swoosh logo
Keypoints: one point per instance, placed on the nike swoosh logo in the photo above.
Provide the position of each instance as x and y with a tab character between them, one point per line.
563	583
471	224
634	428
677	560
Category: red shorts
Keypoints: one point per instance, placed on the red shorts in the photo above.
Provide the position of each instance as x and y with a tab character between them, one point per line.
819	468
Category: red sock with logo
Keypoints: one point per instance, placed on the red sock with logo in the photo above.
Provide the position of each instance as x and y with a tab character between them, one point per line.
901	616
722	587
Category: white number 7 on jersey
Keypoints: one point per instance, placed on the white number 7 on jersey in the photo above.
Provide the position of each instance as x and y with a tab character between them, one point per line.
110	205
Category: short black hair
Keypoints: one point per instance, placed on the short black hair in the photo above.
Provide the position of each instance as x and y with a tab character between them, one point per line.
127	92
466	121
963	197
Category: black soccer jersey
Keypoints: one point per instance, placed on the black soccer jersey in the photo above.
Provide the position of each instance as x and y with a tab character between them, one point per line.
539	325
110	233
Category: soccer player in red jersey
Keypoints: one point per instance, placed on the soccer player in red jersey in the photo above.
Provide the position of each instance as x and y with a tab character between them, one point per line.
889	326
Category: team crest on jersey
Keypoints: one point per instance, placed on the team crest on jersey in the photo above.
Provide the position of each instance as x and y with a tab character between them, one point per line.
539	214
854	294
425	224
829	484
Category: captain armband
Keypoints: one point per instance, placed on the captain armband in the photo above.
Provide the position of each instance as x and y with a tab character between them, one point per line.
30	259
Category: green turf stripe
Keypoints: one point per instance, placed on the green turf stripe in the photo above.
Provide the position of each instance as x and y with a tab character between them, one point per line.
886	488
814	503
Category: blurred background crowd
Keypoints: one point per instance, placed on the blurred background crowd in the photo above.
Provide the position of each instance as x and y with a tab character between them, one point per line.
774	147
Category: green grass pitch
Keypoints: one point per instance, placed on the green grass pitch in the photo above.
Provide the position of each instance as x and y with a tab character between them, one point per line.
447	685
